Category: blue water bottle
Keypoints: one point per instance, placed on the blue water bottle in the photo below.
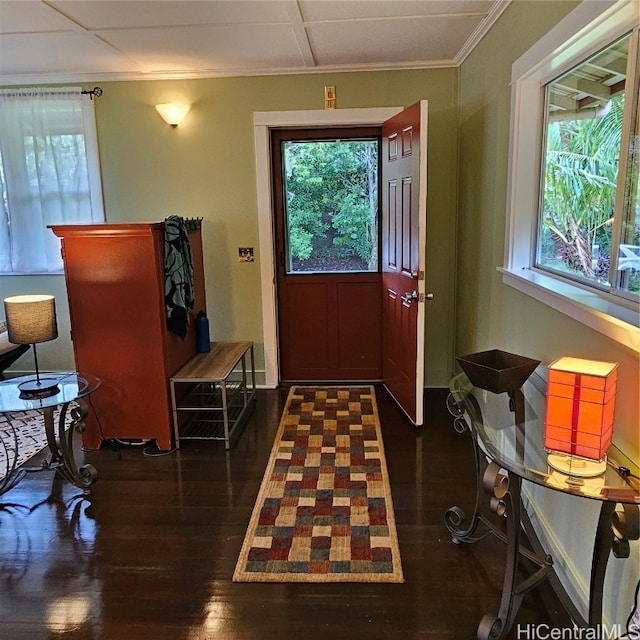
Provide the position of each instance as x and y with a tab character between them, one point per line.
203	344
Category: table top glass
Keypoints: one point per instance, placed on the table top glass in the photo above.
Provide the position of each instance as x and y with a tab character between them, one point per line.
71	386
518	445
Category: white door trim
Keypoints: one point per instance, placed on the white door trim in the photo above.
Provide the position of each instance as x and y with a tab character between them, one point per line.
422	262
263	121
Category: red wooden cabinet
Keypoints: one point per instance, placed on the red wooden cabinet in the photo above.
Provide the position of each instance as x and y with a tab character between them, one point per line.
115	285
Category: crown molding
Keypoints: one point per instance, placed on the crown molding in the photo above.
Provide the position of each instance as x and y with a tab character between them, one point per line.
481	30
128	76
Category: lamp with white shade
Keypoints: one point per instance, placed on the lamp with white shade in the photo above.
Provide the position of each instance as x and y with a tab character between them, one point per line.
32	319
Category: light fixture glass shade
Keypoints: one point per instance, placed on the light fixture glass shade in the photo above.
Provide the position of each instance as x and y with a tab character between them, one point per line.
579	413
173	113
31	318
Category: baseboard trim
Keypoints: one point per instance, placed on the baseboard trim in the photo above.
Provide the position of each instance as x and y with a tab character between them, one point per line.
572	583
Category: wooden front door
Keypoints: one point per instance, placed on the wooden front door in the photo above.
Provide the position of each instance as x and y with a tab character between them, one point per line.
404	198
329	294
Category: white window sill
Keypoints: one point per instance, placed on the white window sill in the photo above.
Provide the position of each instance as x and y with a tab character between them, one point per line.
596	311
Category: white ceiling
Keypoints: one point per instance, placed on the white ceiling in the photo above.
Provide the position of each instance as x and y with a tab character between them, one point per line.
86	40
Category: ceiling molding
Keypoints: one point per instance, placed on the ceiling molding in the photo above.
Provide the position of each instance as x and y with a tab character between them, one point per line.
217	73
481	30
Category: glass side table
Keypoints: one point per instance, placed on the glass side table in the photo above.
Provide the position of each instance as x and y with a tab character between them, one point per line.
507	432
72	388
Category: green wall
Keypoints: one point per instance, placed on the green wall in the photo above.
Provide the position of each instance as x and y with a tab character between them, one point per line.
491	315
206	168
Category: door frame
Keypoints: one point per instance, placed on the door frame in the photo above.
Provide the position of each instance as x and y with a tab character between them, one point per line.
263	122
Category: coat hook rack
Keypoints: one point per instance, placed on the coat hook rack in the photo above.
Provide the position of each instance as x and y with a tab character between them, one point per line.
193	224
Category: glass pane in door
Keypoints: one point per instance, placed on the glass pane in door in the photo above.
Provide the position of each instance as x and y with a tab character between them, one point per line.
330	205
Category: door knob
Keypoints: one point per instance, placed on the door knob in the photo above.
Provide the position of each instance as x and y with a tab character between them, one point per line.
410	296
428	295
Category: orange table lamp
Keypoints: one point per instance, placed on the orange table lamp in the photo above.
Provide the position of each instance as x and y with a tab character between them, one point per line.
579	415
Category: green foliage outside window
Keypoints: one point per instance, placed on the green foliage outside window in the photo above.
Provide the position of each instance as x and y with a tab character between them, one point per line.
582	162
331	190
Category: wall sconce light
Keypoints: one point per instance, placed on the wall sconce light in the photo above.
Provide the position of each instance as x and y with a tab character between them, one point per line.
173	113
579	418
32	319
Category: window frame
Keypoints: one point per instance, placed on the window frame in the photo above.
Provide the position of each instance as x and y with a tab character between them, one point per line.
586	30
279	137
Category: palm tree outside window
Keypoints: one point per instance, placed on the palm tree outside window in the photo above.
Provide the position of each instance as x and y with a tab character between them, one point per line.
589	222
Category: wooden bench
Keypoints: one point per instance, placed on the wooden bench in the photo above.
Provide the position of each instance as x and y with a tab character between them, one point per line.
217	396
9	352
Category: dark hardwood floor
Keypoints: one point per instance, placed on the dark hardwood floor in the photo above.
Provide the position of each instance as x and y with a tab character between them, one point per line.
150	555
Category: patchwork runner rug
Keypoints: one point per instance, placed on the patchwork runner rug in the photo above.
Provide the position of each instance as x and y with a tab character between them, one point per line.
324	511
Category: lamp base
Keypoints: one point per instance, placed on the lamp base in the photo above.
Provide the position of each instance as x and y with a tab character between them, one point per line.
38	388
576	466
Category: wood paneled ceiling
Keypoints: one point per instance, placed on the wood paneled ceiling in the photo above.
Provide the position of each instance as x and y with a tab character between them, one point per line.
84	40
590	86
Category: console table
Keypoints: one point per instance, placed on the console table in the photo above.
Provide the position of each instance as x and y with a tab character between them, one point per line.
507	432
212	395
72	388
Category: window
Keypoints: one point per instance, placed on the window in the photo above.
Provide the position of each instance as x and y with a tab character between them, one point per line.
584	231
573	234
48	174
329	187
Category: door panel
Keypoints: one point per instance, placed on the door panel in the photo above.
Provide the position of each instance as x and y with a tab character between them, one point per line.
408	223
390	220
357	330
330	327
307	306
403	248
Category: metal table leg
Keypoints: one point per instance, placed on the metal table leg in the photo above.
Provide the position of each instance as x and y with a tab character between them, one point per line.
11	475
225	414
504	494
60	441
615	529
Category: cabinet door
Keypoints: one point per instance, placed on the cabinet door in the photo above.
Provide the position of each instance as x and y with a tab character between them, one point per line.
113	290
115	285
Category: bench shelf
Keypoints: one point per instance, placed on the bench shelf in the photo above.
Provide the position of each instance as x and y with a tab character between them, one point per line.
213	393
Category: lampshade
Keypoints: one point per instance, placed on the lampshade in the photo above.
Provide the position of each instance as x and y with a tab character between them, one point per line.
173	113
579	413
31	318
